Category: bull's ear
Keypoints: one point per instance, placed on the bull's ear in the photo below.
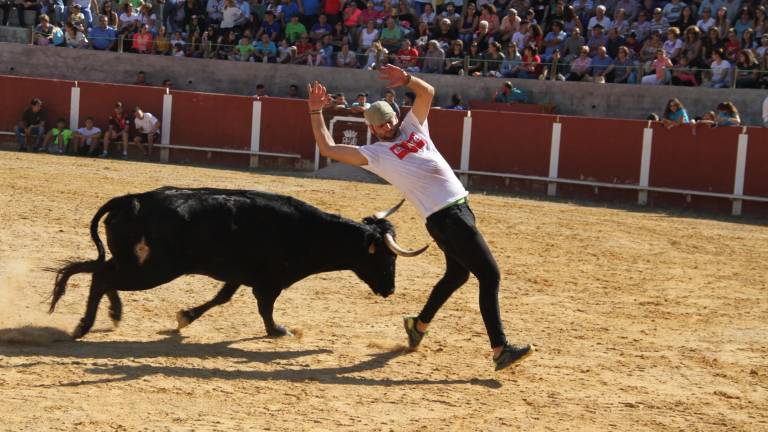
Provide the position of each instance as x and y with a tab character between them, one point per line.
370	242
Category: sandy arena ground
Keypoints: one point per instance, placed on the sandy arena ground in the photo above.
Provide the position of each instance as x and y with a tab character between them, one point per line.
643	321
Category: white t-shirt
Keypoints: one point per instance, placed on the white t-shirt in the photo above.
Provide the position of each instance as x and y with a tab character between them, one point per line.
412	164
89	132
146	124
720	71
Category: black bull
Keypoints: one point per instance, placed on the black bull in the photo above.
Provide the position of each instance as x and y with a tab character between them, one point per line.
261	240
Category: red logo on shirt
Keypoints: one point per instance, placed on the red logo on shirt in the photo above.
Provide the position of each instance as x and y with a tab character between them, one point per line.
413	144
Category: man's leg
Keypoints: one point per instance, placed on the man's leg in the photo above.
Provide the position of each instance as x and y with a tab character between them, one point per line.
108	135
21	136
455	232
39	132
125	143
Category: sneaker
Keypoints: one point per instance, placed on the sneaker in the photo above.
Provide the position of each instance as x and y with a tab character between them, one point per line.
512	354
124	156
104	155
414	335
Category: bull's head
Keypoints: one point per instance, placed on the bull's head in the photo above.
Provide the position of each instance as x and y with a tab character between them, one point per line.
378	268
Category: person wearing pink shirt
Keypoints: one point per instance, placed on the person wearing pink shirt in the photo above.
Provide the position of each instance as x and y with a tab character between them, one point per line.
660	65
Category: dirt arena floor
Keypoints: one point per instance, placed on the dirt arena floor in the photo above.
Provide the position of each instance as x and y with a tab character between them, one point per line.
643	321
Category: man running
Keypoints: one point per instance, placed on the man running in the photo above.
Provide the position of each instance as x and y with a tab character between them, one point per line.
405	156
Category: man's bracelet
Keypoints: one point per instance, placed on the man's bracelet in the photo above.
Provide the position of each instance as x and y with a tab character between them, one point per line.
318	111
407	79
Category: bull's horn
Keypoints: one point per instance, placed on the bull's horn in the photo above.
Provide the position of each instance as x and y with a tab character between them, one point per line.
397	250
387	213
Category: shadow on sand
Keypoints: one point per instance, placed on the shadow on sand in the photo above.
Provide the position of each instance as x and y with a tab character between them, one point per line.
174	346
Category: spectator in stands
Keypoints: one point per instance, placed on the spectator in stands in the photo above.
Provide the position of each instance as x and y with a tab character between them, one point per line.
456	103
686	19
293	91
599	66
508	93
391	36
32	123
346	58
408	98
599	19
672	12
554	41
433	58
620	24
390	98
102	36
47	33
407	57
597	39
261	90
303	47
147	130
683	74
747	70
146	16
60	135
641	27
648	52
620	71
571	21
613	43
142	41
76	16
660	66
320	28
244	50
367	36
673	46
162	45
721	70
270	26
361	104
658	22
470	21
493	59
727	114
763	48
87	138
107	9
573	45
294	29
445	33
580	65
522	35
674	114
141	79
453	15
74	36
265	50
128	20
117	129
510	24
316	56
732	45
512	61
706	21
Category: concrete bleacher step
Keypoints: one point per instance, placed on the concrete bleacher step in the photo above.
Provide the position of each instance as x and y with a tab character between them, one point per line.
15	35
13	20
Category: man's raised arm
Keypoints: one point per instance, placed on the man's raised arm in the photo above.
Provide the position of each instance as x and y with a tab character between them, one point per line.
318	97
424	92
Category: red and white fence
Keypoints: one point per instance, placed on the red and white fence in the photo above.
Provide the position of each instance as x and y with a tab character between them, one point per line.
721	169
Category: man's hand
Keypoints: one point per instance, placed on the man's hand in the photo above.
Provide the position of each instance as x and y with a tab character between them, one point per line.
394	76
318	96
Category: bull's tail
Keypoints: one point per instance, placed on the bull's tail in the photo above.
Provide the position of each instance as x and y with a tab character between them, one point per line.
72	268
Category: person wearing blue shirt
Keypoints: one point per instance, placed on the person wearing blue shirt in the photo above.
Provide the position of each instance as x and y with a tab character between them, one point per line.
553	41
102	37
288	9
600	64
674	114
270	26
509	94
309	10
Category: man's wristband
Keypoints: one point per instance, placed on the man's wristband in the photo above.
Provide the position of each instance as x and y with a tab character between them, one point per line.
317	111
407	79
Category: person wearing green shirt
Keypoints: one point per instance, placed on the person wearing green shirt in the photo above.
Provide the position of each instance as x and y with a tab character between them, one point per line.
391	36
244	50
60	135
294	29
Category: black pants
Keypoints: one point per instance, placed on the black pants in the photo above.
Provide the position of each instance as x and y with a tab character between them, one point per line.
466	252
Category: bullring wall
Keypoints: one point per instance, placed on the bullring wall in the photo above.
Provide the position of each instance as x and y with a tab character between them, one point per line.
721	169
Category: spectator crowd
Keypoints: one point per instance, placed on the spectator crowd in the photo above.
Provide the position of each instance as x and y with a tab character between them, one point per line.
715	43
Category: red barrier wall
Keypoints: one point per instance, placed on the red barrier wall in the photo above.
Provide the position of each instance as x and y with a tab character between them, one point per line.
17	92
756	178
510	143
285	127
703	161
97	100
445	129
600	150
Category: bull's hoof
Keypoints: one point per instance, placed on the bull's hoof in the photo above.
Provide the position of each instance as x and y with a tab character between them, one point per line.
278	331
115	317
183	318
78	332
